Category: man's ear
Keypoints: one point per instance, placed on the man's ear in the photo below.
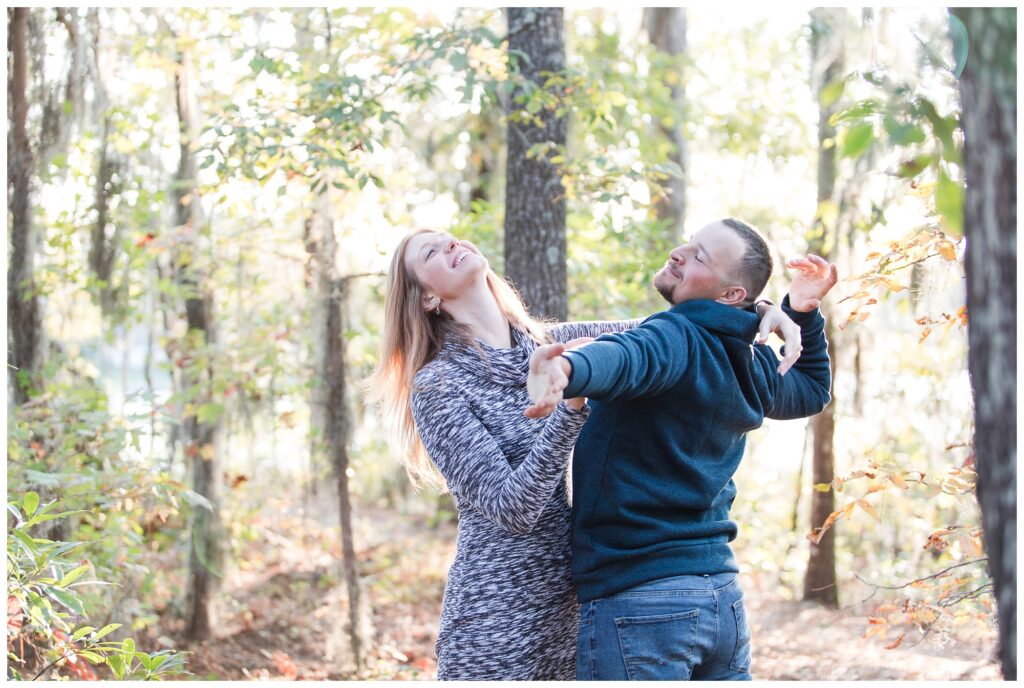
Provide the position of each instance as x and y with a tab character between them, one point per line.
733	296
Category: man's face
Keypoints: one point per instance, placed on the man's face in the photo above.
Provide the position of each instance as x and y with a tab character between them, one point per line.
703	268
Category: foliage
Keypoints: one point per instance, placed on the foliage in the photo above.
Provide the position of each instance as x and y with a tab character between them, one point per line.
44	608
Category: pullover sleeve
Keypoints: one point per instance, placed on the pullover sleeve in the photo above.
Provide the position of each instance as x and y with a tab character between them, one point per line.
643	361
805	389
477	470
567	331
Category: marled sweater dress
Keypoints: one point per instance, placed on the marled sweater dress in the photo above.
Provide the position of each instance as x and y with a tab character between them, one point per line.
509	609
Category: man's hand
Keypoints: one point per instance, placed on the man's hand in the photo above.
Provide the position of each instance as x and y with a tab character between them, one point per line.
814	279
546	380
775	320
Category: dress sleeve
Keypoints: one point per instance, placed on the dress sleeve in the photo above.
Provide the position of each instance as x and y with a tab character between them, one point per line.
477	470
567	331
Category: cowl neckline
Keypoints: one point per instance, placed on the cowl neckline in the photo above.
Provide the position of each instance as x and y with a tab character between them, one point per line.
507	367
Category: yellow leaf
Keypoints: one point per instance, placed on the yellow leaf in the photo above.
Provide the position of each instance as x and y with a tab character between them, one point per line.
848	509
873	254
924	334
898	480
206	452
893	285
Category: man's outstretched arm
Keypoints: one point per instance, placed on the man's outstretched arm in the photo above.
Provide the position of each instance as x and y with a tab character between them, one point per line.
806	390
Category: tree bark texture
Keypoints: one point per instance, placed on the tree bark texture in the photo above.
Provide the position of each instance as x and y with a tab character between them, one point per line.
331	294
989	104
820	583
535	204
24	317
666	30
202	443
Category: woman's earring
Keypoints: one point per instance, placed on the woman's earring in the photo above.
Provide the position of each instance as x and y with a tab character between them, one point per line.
437	309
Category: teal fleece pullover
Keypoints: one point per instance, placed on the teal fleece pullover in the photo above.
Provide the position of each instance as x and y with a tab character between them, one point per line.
672	401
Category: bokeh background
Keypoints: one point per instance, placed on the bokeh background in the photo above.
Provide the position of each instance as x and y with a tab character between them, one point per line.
201	207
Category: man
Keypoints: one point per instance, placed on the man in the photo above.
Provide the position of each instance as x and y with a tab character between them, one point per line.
673	400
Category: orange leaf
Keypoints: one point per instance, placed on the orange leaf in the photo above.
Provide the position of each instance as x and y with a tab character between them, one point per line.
876	620
896	643
866	506
893	285
947	250
898	480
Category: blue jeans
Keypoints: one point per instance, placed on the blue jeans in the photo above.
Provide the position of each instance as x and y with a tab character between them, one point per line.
680	628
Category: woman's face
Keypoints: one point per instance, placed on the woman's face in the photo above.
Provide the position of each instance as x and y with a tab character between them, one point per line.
444	266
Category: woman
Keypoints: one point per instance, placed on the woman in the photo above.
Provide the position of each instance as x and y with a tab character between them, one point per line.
454	360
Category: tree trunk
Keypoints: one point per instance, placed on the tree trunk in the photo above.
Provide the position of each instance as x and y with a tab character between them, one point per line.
535	204
827	65
989	103
24	319
330	368
201	438
666	30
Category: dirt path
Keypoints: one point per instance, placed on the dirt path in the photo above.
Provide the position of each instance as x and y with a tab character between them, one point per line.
284	615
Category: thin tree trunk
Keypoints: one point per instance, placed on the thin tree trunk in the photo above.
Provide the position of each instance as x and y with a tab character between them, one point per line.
329	397
827	65
989	102
202	439
535	203
24	319
666	30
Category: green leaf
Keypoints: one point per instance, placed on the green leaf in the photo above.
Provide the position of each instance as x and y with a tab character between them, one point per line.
82	632
72	576
858	139
913	167
30	502
207	414
116	664
902	134
106	629
831	93
949	202
67	599
128	646
89	656
616	98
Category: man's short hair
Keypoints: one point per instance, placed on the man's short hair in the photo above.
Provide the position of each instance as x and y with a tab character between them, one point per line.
756	265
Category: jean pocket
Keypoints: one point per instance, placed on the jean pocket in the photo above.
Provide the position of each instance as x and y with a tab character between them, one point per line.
741	657
661	647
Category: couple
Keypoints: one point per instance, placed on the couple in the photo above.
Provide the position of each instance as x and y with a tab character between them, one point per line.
644	547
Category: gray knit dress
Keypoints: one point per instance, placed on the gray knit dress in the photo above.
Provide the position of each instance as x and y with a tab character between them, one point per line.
509	609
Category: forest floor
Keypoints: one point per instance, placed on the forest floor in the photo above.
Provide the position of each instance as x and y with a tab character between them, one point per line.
285	614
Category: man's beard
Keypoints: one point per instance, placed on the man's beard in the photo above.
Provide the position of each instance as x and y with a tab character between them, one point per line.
665	291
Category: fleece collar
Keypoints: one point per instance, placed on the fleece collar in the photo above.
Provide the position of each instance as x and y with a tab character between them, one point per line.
717	317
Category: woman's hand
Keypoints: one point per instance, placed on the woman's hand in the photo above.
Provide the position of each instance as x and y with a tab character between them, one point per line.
774	319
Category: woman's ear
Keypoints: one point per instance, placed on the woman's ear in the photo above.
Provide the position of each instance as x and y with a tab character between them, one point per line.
429	302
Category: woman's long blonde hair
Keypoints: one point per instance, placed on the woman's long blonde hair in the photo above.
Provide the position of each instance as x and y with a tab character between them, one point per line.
411	339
